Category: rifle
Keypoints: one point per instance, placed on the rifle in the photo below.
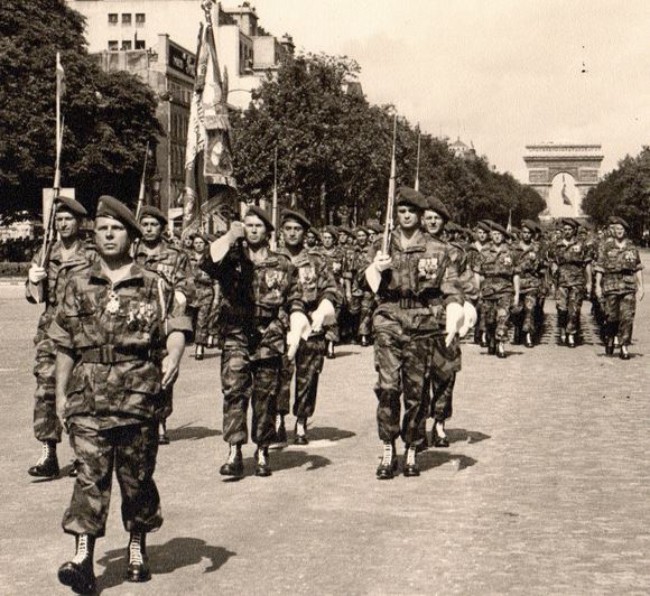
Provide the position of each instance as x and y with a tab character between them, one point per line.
388	224
274	208
416	186
49	235
141	197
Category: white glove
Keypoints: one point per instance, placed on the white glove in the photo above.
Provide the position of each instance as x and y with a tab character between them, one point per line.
180	298
470	318
299	328
324	313
454	318
36	274
381	262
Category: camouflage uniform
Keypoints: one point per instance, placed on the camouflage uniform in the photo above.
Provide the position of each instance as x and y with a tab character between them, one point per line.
203	299
47	426
116	334
497	266
411	299
368	302
473	252
173	266
335	258
351	306
530	266
618	265
571	258
257	299
318	283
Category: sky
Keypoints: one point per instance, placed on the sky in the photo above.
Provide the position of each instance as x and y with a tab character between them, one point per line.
501	74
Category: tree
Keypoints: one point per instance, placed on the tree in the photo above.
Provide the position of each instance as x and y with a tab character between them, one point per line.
108	117
624	192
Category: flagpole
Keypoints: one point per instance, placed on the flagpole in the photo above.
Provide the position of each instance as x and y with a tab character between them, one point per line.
274	207
388	225
416	186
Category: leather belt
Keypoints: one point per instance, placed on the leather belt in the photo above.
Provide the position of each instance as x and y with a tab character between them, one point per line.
110	354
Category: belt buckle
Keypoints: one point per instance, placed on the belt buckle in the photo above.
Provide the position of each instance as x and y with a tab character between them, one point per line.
106	354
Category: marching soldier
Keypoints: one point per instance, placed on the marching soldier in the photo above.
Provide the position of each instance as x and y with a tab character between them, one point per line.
335	258
261	301
173	266
46	284
499	283
415	304
619	284
530	265
110	330
482	237
203	296
571	264
320	295
366	298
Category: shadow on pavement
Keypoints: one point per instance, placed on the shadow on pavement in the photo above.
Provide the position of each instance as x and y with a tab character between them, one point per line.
192	433
328	433
163	558
435	458
287	459
343	354
456	435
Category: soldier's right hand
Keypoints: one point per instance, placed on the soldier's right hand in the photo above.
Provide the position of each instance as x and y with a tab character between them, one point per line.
36	274
236	230
382	262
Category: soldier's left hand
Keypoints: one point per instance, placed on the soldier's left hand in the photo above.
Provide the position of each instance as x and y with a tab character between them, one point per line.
170	369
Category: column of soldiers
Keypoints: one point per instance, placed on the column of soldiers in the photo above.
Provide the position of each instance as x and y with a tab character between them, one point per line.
116	320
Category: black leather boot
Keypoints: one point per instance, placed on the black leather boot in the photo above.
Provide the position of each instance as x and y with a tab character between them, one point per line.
199	352
78	573
388	465
411	467
235	464
330	350
262	467
138	570
163	438
48	464
301	432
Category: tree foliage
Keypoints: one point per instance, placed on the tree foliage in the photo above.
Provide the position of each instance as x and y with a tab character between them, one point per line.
332	141
624	192
108	117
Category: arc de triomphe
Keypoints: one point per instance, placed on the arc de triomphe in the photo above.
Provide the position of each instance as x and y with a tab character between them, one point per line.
562	174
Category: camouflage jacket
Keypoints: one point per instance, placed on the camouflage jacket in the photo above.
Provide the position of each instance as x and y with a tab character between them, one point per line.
496	264
419	276
618	265
530	265
336	260
473	252
571	259
59	269
316	279
201	278
257	297
117	335
171	264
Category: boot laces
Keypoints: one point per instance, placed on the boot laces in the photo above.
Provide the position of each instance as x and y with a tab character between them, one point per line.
261	457
135	549
232	457
410	456
300	428
82	549
47	452
387	455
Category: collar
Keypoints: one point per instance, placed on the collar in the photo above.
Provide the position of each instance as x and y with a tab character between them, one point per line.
97	276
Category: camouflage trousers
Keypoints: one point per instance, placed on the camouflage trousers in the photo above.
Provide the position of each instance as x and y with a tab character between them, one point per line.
568	304
202	308
446	362
528	318
495	311
619	310
131	450
402	361
47	426
166	406
307	367
245	380
368	305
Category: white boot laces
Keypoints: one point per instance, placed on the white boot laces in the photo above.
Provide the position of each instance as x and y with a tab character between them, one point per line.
387	456
135	549
82	549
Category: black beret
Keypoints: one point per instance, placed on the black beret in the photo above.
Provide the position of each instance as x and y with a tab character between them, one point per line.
410	196
263	215
483	225
110	207
375	227
151	211
495	227
614	219
569	221
296	216
345	230
530	224
361	229
68	204
435	204
331	230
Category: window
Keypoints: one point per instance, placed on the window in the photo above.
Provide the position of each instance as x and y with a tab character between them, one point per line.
126	18
126	45
112	18
139	18
113	45
139	44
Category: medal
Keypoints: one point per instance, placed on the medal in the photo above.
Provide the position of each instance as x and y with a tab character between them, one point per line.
113	304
